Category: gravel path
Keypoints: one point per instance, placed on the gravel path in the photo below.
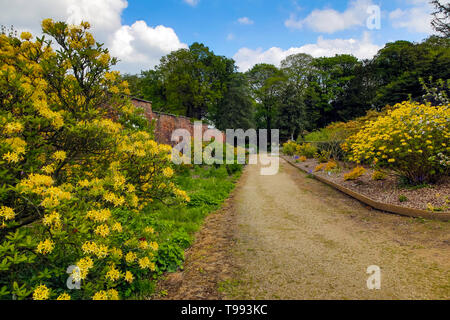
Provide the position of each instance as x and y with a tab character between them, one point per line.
300	239
291	237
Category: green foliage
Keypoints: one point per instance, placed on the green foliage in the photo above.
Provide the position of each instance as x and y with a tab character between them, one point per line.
289	148
78	163
322	156
236	109
307	149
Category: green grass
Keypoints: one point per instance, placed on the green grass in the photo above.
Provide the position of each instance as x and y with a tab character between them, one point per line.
208	187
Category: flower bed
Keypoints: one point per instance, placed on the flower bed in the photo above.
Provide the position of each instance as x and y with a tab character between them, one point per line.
433	198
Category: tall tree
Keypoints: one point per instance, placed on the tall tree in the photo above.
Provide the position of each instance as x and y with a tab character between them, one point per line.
236	109
194	80
441	17
333	77
293	115
266	82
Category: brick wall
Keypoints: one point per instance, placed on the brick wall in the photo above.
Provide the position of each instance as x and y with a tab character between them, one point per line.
166	123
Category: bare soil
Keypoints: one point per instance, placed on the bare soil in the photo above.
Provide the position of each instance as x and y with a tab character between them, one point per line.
290	237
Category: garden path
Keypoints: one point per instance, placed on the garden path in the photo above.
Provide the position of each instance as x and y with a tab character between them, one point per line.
287	236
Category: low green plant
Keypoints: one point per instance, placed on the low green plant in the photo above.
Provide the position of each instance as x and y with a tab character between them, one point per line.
289	148
307	150
322	156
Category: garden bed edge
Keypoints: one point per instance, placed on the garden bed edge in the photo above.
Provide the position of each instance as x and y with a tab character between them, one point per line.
386	207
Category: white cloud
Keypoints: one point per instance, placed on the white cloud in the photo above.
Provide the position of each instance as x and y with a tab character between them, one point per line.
245	20
192	2
137	46
104	15
415	19
363	49
230	36
140	46
330	20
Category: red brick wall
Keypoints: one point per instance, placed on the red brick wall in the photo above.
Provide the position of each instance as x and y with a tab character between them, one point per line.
166	123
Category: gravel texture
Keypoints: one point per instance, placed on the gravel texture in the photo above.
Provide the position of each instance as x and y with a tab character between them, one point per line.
290	237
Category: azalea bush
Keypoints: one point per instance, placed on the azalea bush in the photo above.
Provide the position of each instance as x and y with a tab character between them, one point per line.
411	140
78	166
289	148
307	149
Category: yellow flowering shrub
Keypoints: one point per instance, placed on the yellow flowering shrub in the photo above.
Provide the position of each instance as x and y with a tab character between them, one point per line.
378	175
411	139
355	173
289	148
331	165
78	164
320	167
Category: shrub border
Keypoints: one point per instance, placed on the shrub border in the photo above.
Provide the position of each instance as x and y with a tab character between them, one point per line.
386	207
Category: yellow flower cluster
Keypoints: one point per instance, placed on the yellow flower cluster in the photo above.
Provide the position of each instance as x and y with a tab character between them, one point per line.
128	277
63	296
100	250
181	194
319	167
410	139
102	230
330	165
45	247
355	173
113	274
52	220
60	155
6	213
116	200
99	215
168	172
111	294
84	265
145	263
41	293
130	257
12	128
17	145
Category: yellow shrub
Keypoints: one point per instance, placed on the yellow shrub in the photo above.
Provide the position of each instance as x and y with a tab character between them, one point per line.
412	140
378	175
330	165
355	173
289	148
76	174
319	167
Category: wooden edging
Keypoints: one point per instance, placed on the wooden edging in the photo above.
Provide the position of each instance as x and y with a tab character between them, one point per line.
391	208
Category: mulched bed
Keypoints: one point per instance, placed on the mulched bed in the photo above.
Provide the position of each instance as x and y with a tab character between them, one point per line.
388	190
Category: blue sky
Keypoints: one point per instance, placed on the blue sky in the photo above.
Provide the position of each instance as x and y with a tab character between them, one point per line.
139	32
212	21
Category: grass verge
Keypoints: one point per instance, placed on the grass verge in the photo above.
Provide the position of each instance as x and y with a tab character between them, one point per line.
175	226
